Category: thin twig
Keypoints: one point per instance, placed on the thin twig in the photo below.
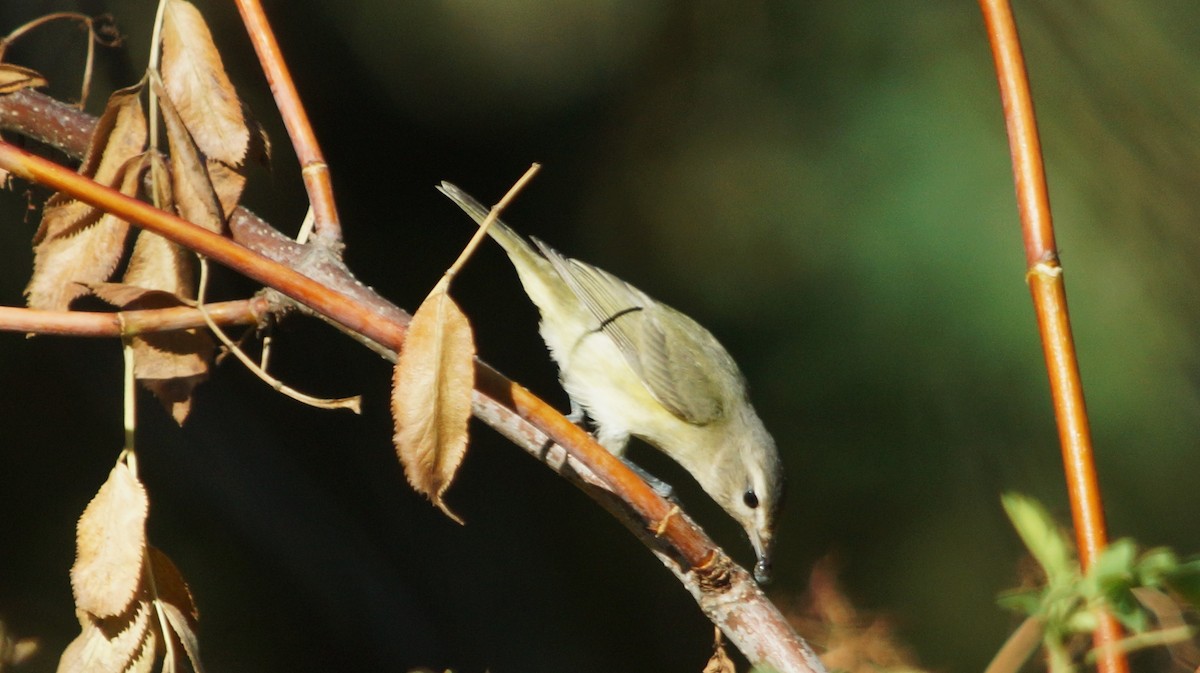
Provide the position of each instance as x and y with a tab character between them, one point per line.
128	323
353	403
88	61
492	216
313	168
1045	279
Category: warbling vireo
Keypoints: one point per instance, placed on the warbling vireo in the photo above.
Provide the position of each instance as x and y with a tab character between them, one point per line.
639	367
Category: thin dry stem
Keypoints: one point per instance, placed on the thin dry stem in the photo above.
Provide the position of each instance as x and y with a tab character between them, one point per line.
492	216
1050	304
88	61
353	403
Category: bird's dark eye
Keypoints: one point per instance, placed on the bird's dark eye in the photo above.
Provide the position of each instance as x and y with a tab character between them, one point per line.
750	499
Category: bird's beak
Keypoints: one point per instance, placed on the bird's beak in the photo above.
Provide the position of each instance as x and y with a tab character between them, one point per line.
762	549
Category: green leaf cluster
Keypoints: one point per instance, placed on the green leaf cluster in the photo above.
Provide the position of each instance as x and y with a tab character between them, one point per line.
1071	601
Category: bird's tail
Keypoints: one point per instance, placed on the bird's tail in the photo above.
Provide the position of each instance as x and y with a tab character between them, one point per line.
511	241
537	274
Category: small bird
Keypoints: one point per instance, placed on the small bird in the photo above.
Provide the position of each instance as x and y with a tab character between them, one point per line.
639	367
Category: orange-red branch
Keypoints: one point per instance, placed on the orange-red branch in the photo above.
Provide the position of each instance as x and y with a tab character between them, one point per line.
313	168
1045	279
127	323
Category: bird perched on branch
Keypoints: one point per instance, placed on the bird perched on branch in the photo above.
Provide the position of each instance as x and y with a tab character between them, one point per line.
639	367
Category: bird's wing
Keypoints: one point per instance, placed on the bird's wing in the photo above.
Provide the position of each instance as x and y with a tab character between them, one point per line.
668	350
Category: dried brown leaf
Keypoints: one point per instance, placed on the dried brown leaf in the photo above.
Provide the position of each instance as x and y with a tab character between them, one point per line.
77	243
94	650
719	662
169	364
175	602
195	198
431	396
111	545
228	182
147	654
14	78
132	297
159	264
196	82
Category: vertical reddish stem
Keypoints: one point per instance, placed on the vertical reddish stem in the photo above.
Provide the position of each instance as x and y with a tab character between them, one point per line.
1045	279
312	162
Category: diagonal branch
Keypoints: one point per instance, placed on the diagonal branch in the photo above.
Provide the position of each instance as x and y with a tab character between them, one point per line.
318	281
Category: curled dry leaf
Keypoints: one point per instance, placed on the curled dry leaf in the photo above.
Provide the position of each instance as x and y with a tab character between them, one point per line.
194	195
111	543
431	395
172	364
76	242
196	82
14	78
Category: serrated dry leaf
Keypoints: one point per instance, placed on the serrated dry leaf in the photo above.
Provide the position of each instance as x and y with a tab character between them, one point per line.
144	661
111	545
95	651
159	264
14	78
228	182
77	243
195	80
195	198
169	364
431	396
174	601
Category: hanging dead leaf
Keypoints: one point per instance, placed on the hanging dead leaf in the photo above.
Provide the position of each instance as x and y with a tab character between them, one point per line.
111	542
14	78
719	662
126	590
169	364
77	243
193	191
174	601
195	80
431	395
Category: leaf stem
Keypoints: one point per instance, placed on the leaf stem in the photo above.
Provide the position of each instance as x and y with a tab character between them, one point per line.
487	222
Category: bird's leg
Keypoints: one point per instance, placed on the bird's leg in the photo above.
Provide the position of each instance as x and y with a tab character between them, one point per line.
577	415
662	488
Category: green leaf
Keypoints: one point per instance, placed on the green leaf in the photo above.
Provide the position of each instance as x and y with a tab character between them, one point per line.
1155	565
1185	581
1042	537
1025	601
1116	560
1082	621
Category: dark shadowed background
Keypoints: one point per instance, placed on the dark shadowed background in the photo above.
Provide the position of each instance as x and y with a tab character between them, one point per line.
825	185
